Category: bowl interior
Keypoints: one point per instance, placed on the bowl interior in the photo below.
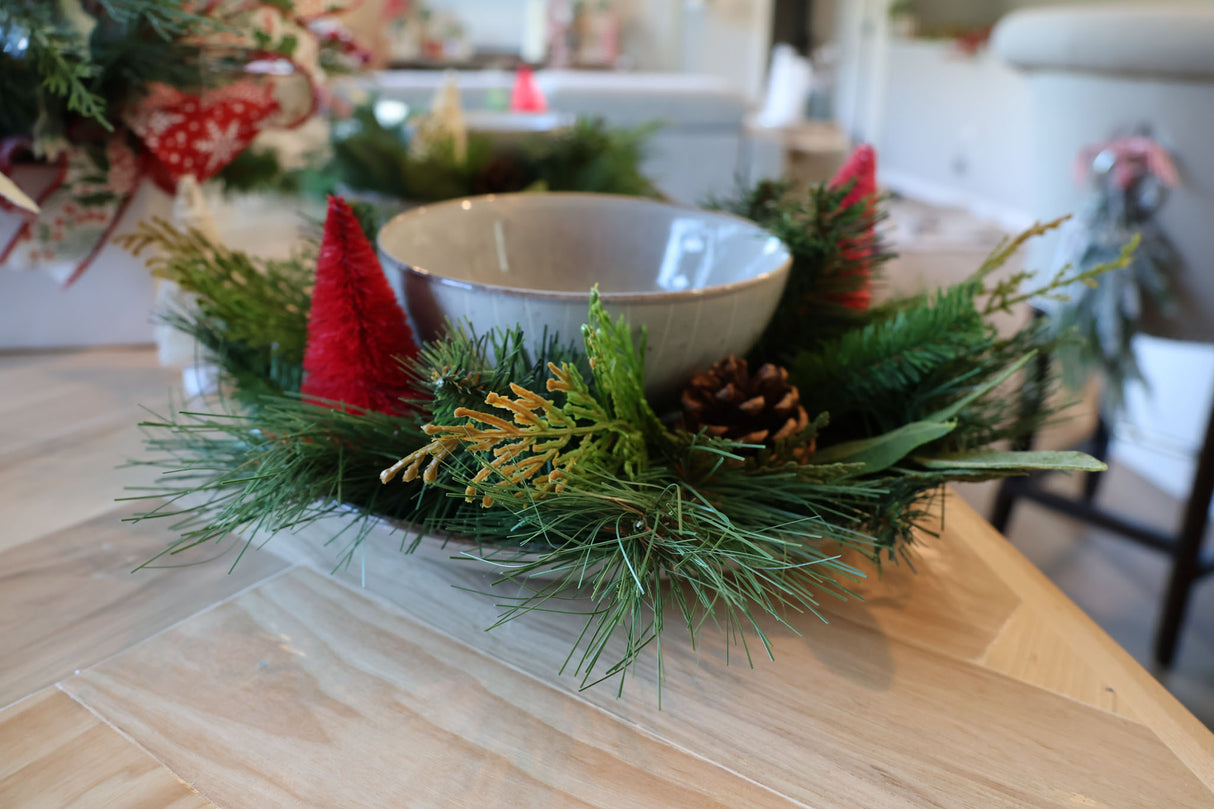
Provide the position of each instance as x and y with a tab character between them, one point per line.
562	244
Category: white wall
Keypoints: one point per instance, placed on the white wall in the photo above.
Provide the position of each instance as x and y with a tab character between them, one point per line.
955	130
651	33
496	24
729	39
725	38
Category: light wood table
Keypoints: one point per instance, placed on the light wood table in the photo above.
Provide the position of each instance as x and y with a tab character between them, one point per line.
970	683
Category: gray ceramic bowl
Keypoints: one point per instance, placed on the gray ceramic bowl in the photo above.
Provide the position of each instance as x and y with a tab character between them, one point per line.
704	284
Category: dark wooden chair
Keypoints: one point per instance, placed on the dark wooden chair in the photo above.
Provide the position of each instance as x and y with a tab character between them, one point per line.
1188	565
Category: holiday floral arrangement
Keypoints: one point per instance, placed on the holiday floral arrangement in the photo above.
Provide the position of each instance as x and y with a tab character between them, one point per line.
106	93
735	499
103	95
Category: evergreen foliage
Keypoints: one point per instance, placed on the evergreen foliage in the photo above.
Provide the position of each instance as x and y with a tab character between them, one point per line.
820	232
250	313
552	459
903	355
371	157
58	64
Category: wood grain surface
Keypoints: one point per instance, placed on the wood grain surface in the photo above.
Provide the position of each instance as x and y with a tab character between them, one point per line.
949	731
340	702
70	599
970	682
67	419
55	754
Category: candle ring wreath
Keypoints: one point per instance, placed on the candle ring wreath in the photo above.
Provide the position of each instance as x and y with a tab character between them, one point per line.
736	501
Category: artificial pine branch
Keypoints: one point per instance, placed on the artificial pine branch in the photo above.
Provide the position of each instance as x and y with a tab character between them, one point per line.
252	471
590	156
635	546
251	314
901	355
461	368
822	234
368	156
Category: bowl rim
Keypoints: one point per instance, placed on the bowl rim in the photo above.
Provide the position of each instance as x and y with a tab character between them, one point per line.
567	295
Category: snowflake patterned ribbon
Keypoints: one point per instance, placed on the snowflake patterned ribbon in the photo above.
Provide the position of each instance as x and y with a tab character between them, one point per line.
199	135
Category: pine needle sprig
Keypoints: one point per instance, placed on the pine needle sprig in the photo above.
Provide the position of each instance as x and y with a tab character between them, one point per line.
922	353
902	355
637	548
250	313
462	367
284	463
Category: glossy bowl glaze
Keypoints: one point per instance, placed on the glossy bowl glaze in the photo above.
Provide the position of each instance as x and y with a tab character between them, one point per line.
703	284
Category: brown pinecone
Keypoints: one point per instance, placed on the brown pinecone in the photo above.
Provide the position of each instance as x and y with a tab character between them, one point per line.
728	401
503	173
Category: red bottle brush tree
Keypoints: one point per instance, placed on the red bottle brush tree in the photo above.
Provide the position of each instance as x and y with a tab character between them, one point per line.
860	166
357	332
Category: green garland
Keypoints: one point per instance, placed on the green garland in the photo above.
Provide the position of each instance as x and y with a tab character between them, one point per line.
368	157
557	461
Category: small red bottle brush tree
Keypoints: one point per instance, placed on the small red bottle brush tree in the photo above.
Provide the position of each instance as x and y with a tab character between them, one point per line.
357	332
860	166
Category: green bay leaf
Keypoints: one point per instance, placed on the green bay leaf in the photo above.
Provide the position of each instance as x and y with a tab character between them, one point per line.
883	451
